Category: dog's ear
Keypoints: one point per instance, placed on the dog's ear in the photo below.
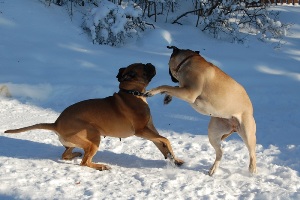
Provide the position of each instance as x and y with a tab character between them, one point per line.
150	71
172	77
172	47
175	49
119	76
198	52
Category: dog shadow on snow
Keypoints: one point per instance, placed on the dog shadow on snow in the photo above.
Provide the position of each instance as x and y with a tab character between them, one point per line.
25	149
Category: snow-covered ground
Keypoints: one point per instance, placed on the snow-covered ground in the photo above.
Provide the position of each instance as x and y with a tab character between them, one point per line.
47	62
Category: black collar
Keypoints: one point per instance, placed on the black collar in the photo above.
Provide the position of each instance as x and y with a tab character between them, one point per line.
133	92
183	61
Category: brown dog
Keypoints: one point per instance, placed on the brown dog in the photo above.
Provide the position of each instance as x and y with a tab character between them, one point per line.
212	92
124	114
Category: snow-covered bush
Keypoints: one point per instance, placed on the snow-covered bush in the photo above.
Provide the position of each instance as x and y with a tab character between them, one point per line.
113	24
235	20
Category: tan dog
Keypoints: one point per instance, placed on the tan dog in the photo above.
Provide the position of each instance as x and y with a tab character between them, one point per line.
212	92
124	114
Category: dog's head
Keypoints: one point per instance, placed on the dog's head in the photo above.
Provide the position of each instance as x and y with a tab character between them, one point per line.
137	72
177	57
177	51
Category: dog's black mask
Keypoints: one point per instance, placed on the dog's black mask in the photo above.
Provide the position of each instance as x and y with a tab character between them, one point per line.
149	73
125	77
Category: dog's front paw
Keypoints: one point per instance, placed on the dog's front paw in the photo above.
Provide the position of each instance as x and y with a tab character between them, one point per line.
151	93
101	167
167	99
148	94
178	162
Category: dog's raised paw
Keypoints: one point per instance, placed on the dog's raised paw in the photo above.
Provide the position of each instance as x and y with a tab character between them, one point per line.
148	94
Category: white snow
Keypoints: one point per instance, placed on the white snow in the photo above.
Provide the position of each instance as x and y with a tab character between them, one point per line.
47	62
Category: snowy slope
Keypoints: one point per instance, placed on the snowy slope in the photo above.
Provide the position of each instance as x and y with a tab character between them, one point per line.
48	63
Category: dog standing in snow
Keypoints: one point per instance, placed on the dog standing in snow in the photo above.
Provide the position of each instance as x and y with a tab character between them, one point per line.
212	92
124	114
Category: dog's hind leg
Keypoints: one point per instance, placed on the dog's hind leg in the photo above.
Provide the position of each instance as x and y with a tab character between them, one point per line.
69	155
247	131
89	140
90	148
218	128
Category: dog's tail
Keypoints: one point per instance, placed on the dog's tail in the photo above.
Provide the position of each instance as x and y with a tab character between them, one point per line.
47	126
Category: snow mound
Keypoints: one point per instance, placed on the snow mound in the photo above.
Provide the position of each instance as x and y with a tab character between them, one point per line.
33	168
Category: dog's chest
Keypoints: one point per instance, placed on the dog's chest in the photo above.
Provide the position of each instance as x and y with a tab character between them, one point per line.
136	107
138	113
